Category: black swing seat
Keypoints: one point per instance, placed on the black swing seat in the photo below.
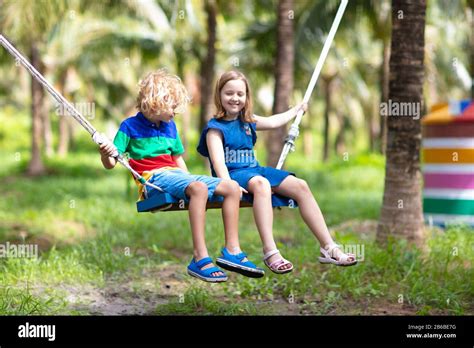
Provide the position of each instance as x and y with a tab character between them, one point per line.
162	201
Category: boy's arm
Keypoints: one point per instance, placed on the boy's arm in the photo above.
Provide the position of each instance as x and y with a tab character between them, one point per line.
106	151
180	162
216	153
278	120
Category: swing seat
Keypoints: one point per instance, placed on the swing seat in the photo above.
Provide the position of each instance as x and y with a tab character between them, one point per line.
162	201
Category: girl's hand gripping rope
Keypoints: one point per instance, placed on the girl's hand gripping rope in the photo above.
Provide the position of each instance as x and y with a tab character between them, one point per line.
301	106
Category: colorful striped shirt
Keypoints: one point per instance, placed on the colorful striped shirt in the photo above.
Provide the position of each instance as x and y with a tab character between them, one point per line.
149	146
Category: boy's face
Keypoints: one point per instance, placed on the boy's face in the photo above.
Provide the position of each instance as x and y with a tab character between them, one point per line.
165	116
233	96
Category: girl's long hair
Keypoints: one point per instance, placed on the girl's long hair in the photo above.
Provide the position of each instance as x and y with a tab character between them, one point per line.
246	114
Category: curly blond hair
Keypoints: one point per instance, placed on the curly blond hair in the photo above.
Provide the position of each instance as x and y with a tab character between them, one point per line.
161	91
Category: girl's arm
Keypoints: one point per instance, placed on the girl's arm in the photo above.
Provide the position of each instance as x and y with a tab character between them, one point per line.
216	153
180	162
278	120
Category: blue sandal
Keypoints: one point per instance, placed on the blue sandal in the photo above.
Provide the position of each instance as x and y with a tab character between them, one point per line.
195	270
234	263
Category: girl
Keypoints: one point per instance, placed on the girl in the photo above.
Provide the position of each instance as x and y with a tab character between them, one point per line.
228	141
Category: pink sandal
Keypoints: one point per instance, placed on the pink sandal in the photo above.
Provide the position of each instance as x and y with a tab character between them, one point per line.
327	256
275	266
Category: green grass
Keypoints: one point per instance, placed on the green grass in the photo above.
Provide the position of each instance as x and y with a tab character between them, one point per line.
200	301
84	220
14	301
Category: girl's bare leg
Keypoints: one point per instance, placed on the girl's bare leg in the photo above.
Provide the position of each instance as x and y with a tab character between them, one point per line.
299	190
263	214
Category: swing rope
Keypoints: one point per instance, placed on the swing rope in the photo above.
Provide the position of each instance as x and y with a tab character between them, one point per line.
96	136
294	129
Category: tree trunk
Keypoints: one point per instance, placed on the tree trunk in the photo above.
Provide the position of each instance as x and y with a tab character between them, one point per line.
283	77
185	117
64	134
47	132
369	125
340	142
401	213
207	65
384	82
36	167
185	126
308	146
328	82
372	110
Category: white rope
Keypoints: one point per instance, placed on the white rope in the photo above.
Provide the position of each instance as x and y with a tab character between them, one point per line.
294	129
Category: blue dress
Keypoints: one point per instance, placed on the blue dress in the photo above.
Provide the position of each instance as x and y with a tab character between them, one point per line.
239	139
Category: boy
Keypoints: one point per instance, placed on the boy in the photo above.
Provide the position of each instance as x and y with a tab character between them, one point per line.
155	151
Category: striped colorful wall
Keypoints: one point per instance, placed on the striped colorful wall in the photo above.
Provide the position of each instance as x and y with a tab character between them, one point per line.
448	163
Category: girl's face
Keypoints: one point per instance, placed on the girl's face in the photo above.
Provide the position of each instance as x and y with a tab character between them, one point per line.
233	97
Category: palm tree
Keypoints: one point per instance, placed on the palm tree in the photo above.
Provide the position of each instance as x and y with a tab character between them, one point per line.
284	70
36	167
68	56
328	86
137	32
401	213
207	63
378	14
28	23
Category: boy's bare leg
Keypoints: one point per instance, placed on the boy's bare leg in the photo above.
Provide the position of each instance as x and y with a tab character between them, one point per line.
299	190
263	214
197	192
230	190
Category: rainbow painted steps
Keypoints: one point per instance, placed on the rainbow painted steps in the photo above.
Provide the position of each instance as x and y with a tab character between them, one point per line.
448	163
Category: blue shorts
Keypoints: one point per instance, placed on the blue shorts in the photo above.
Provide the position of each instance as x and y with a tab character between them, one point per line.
175	182
274	176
